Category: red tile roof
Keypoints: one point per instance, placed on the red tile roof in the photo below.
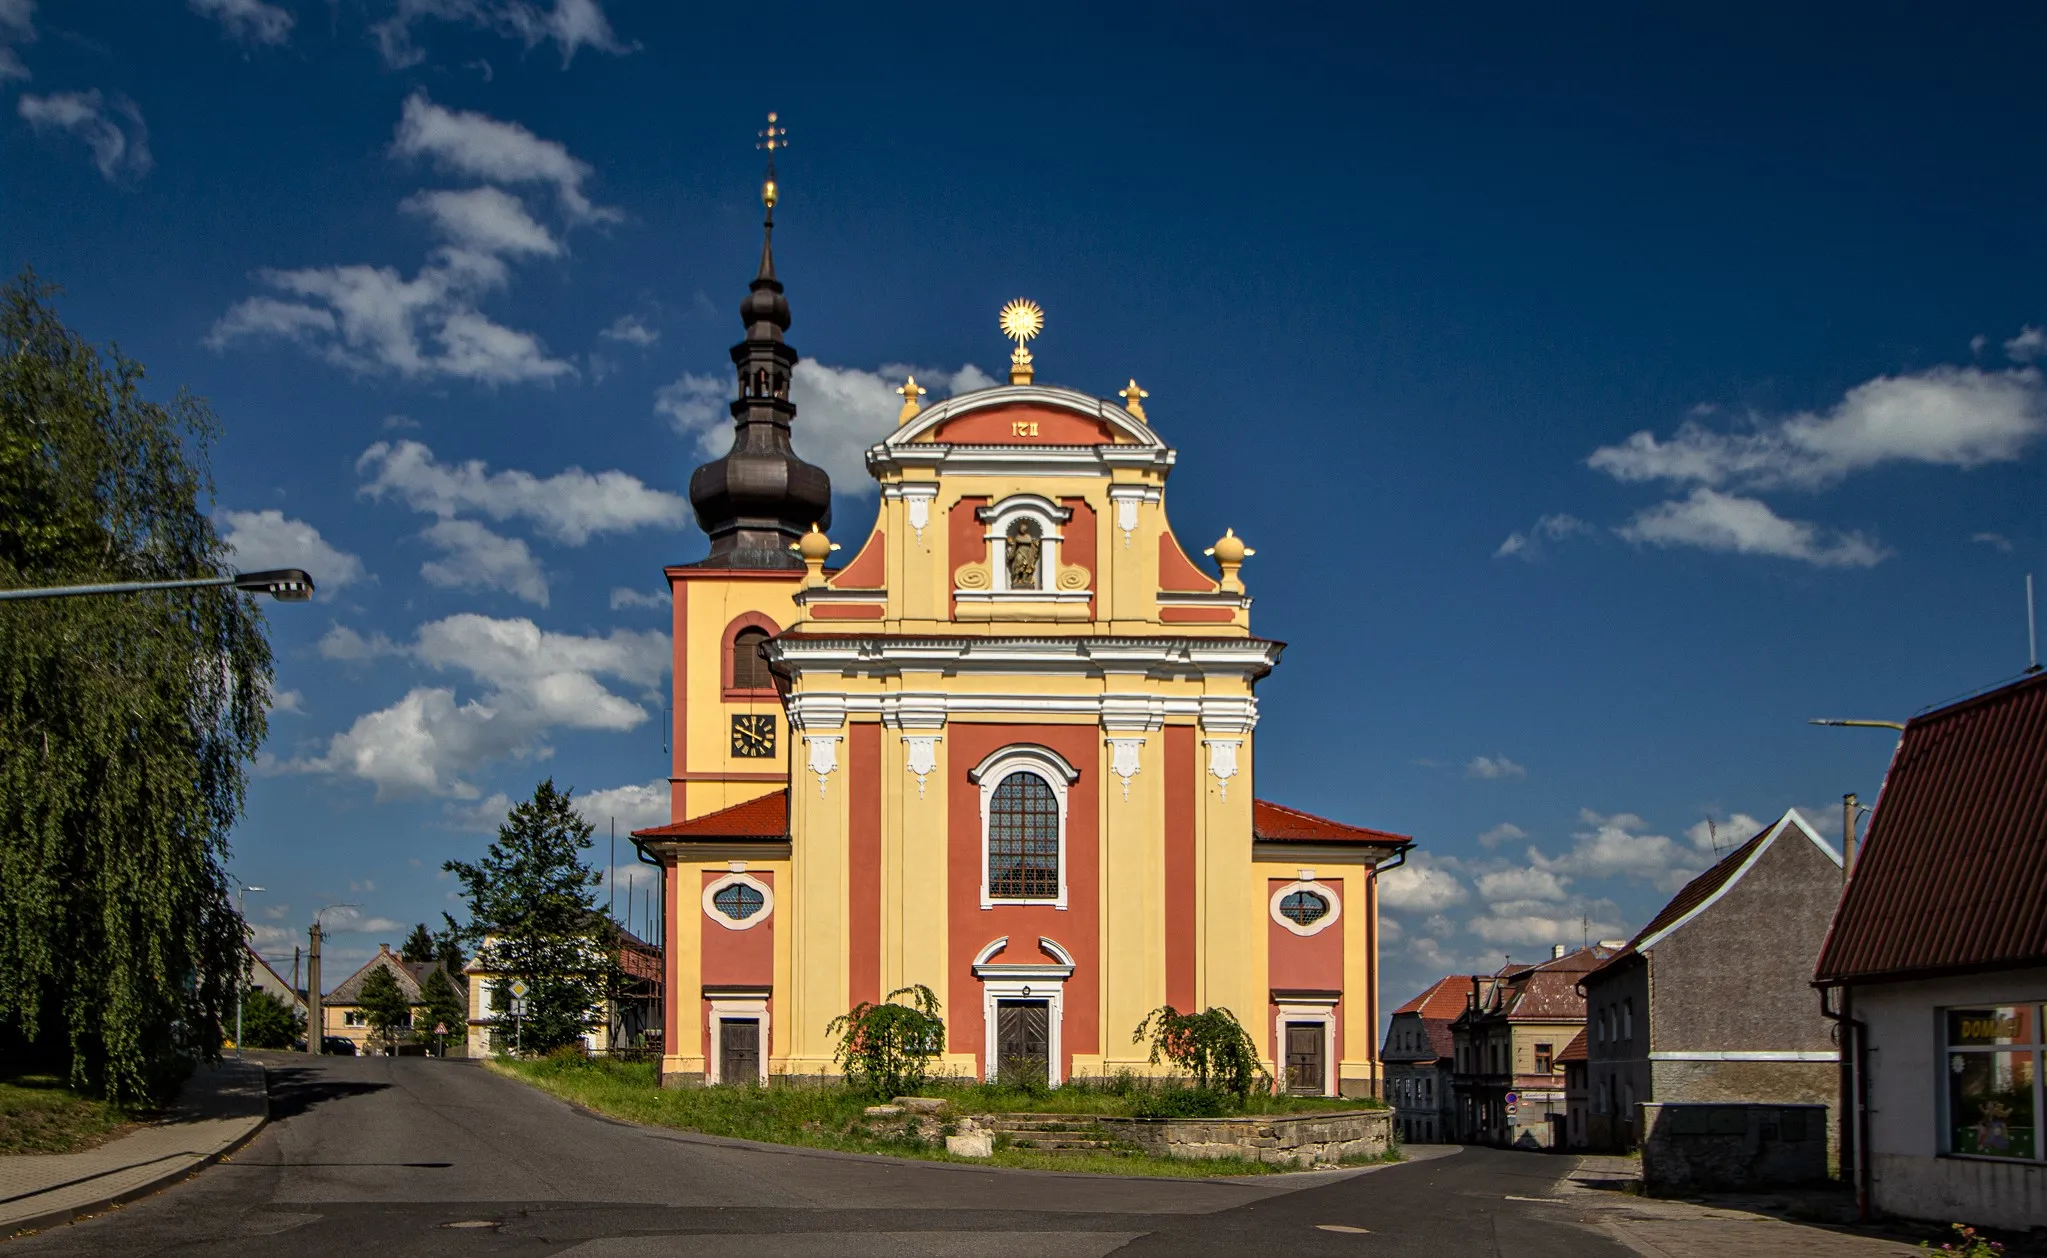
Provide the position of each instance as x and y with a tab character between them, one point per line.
1575	1050
1953	875
1445	998
1276	823
764	818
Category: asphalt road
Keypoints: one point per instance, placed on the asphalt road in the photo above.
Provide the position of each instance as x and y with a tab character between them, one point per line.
377	1156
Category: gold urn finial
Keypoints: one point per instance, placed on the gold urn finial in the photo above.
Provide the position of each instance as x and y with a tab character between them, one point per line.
815	548
1133	400
772	138
911	391
1022	319
1230	553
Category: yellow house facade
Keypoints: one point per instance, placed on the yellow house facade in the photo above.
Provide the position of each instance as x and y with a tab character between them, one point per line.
1005	750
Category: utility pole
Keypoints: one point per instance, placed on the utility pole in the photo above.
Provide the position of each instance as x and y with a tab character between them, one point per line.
313	1023
1847	835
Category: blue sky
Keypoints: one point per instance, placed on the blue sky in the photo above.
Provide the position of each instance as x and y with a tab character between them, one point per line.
1604	394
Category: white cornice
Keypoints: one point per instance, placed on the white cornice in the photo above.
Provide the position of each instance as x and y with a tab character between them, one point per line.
1161	657
1226	715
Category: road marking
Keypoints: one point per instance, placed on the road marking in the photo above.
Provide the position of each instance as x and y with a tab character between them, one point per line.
1343	1227
473	1223
1548	1201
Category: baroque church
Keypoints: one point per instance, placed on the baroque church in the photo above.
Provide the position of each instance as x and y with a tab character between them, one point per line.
1005	750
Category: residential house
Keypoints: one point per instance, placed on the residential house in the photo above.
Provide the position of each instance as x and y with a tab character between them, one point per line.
633	1020
1711	1001
1937	967
1419	1056
1577	1095
266	979
341	1009
1506	1083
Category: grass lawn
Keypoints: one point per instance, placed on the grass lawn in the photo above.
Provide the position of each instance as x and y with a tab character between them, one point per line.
38	1114
830	1117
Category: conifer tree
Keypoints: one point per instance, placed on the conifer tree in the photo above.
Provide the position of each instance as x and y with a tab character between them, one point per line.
127	723
441	1005
418	946
384	1006
533	916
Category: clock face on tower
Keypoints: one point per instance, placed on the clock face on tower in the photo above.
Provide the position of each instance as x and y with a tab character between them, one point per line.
753	737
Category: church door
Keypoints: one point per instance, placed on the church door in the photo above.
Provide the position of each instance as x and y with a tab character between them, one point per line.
739	1050
1023	1038
1305	1075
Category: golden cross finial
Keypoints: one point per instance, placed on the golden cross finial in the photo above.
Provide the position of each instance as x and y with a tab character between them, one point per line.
772	138
911	391
1133	400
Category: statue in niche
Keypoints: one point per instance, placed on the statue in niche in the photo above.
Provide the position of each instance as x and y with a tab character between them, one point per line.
1023	550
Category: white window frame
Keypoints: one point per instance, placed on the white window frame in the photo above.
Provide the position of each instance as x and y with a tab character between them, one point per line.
753	1009
1000	516
738	877
1311	885
1300	1010
1024	980
1048	765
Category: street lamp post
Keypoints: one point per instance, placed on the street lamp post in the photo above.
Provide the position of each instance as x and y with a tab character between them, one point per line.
242	969
315	1032
286	585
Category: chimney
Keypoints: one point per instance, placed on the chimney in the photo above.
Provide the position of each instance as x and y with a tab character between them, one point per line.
1556	952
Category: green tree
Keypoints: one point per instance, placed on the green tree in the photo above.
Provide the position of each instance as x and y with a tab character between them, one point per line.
533	916
418	946
268	1022
127	723
441	1005
384	1006
1211	1045
886	1049
448	947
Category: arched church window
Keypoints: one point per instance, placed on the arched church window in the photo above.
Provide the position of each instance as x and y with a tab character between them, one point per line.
1023	839
749	666
1025	554
1304	908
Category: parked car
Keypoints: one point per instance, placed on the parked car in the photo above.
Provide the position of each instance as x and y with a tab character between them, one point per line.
337	1046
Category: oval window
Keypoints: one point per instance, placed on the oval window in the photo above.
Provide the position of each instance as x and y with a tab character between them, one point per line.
1304	908
738	901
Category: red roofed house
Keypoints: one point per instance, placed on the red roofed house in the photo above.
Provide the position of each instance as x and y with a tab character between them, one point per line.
1007	751
1577	1093
1710	1001
1507	1086
1937	965
1420	1056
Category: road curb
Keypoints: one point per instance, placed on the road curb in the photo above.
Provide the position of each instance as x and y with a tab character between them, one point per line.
72	1214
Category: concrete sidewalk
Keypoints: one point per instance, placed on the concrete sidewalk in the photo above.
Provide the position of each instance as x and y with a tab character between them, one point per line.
218	1110
1608	1190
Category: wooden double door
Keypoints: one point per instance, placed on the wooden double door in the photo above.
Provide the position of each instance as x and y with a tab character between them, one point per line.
1307	1061
1023	1039
739	1050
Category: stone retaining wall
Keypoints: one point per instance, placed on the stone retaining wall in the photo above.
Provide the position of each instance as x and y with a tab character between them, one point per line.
1280	1139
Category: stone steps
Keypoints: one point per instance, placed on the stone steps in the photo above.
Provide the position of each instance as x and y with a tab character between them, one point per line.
1050	1133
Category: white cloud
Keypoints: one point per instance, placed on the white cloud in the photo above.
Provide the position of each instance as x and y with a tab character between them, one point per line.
120	151
1948	416
1522	884
1549	528
474	558
2029	344
1537	926
625	596
487	220
532	681
1996	541
571	506
394	423
633	807
17	26
1505	832
567	24
632	330
250	20
350	919
1618	846
841	411
1492	767
288	701
267	539
1718	837
1420	886
478	146
1711	520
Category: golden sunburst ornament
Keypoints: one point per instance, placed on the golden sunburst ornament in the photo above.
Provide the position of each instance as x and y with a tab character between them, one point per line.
1022	319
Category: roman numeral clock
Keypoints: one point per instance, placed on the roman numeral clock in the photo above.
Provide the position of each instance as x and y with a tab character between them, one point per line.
753	736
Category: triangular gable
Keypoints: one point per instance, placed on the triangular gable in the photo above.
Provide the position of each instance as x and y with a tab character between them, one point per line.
1706	890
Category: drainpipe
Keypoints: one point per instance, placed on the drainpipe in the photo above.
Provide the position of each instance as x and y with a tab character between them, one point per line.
1372	971
1853	1035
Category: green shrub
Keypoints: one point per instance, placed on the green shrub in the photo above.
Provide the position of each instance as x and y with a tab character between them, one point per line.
1211	1045
886	1049
1181	1102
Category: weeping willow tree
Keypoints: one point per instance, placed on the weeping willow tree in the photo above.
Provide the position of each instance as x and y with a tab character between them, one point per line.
126	722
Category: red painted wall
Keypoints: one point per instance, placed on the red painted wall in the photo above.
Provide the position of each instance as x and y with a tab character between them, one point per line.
998	425
867	571
1178	572
1075	928
731	957
1305	962
863	875
1182	784
1079	546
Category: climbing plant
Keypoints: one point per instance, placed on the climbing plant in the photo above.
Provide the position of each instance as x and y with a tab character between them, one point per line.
1212	1046
886	1048
127	723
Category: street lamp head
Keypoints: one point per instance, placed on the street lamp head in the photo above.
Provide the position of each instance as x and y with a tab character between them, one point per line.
247	887
286	585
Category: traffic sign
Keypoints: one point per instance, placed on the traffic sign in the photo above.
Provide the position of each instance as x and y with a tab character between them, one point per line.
440	1028
519	988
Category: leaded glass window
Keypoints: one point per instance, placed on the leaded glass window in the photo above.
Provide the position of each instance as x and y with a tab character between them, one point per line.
1023	840
738	901
1304	908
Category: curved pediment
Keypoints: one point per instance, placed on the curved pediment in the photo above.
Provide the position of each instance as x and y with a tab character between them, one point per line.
1026	415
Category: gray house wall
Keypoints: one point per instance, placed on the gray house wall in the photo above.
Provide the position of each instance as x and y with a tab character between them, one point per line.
1617	1075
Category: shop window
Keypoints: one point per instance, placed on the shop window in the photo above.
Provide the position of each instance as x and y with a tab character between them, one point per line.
1993	1081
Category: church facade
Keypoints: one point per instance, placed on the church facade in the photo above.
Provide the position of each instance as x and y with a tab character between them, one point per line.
1005	750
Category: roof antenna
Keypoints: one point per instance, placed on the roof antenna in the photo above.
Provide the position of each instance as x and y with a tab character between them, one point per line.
1713	837
2032	642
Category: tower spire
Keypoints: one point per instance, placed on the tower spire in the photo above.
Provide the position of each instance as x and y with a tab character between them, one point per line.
759	498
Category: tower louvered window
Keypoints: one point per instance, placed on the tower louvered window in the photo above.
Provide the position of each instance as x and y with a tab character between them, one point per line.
749	666
1023	840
